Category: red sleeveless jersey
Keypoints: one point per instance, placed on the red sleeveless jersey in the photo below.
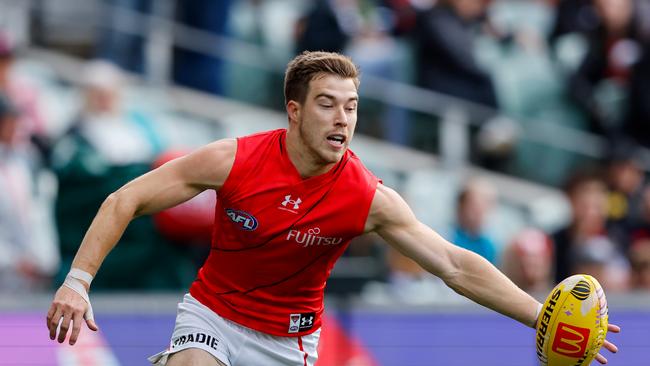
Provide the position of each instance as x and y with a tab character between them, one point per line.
277	236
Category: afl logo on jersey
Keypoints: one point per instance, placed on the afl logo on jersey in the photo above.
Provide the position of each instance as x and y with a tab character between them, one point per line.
243	219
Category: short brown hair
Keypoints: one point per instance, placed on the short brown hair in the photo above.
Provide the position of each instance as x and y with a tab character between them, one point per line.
309	65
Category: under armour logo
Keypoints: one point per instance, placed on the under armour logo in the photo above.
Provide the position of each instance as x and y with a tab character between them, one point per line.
288	201
307	321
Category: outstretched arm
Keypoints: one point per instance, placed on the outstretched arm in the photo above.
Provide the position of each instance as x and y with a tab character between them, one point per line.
465	272
169	185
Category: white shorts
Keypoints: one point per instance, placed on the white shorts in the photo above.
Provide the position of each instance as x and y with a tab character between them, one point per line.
197	326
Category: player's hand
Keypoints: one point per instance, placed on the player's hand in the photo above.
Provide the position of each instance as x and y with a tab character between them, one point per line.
71	307
611	347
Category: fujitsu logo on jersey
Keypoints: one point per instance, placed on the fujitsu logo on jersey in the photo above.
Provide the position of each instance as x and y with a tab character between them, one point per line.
311	237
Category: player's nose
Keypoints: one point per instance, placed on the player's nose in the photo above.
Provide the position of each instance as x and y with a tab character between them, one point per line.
341	118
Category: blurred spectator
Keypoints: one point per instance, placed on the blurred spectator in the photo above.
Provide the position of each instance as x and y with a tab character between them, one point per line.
190	68
21	94
599	257
625	186
587	194
573	16
637	123
379	54
639	246
474	205
326	26
495	143
601	84
194	69
639	255
122	46
106	147
445	58
403	15
29	258
528	261
361	29
119	136
409	284
643	224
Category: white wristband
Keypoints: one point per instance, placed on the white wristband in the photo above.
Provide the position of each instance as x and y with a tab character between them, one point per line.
81	275
73	281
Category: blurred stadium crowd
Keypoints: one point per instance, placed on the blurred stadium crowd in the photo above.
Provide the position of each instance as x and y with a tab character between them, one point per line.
578	63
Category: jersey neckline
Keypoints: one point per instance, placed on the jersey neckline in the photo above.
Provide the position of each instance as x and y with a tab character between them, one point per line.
316	179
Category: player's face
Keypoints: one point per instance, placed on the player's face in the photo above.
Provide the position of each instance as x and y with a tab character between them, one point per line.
328	117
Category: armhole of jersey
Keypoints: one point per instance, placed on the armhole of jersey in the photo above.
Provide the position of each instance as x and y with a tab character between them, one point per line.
372	191
232	180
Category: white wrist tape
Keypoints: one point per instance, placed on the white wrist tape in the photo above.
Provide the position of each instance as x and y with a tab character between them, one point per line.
81	275
73	281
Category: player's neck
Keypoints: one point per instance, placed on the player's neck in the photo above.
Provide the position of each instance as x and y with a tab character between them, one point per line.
304	160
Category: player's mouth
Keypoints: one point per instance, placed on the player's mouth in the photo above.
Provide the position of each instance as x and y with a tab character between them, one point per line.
337	140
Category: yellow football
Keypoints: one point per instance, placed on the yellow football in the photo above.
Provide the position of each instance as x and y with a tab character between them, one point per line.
572	324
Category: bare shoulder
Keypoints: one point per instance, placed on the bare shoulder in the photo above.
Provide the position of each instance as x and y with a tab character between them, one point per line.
208	166
220	150
387	208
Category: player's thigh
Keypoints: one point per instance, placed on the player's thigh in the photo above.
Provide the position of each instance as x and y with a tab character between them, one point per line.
193	357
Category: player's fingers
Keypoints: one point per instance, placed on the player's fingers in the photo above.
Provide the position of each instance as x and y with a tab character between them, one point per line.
611	347
92	325
50	314
65	325
613	328
53	324
600	358
77	319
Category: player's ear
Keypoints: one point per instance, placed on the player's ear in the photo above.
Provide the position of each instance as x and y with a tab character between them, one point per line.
293	110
